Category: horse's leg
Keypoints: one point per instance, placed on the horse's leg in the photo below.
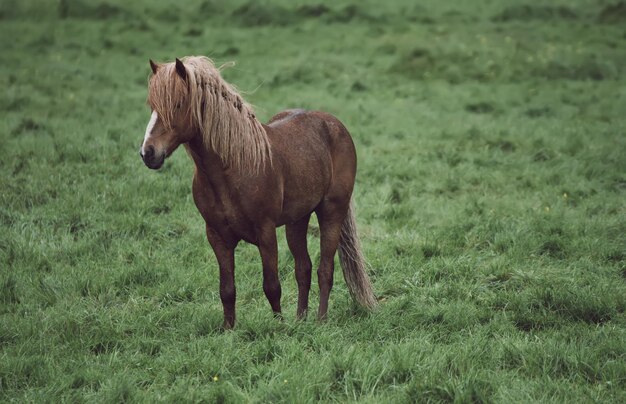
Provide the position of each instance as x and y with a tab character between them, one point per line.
330	216
269	256
296	239
225	255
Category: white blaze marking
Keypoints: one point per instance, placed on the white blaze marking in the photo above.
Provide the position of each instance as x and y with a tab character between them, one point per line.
149	128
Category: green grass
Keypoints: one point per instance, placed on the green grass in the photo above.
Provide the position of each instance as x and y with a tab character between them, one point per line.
490	198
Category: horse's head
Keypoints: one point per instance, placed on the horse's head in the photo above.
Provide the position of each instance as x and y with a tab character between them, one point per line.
191	100
170	124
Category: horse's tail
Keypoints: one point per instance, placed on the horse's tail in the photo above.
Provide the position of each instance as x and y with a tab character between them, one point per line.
353	263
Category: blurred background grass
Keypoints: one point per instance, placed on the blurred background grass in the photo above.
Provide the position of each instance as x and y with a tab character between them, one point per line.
490	199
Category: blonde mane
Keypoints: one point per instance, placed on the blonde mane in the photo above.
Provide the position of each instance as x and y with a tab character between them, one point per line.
227	123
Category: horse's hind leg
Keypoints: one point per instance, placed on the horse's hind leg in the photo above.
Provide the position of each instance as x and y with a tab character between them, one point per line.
268	248
330	216
296	239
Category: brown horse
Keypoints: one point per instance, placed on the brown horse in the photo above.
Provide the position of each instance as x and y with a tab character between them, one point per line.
251	178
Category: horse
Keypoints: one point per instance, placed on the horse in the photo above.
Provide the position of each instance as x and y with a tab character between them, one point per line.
251	178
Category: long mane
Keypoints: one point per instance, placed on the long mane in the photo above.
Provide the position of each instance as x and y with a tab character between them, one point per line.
226	121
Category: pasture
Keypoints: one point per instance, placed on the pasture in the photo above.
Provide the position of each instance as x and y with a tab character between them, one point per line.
490	198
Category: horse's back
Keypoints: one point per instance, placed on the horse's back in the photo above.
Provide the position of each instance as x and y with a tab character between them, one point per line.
316	156
300	124
284	116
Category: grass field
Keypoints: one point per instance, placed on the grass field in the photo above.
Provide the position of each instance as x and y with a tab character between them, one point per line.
490	199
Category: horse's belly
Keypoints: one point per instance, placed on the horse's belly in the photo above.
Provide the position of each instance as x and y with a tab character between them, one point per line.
296	210
301	196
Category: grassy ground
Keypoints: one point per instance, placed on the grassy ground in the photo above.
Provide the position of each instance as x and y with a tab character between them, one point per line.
490	199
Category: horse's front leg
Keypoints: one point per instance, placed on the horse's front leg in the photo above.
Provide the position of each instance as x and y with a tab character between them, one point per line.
225	254
268	248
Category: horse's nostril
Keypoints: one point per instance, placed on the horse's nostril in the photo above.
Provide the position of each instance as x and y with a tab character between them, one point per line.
149	152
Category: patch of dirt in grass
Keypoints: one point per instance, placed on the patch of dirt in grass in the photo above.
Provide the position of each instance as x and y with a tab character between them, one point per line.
553	248
28	125
313	10
80	9
480	108
588	69
613	13
527	12
258	14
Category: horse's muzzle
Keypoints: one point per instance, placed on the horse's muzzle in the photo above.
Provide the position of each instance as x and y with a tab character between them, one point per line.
151	159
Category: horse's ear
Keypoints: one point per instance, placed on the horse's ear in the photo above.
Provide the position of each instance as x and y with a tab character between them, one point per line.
154	66
180	69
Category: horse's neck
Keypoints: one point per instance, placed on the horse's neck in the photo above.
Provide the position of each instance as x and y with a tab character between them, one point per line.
208	164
